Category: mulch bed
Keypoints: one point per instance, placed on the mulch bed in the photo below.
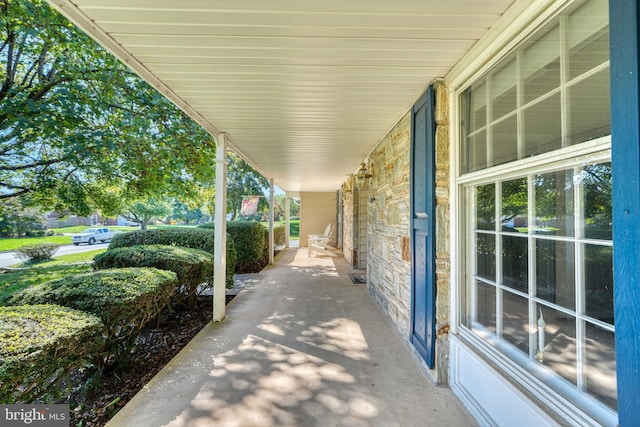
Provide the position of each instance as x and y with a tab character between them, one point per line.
156	346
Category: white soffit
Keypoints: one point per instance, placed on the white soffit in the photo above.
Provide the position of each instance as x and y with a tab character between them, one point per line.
305	90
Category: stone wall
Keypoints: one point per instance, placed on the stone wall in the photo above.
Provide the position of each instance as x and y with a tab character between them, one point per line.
348	212
443	263
389	246
389	265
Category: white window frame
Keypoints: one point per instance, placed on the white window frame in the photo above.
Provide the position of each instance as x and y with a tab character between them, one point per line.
597	151
523	22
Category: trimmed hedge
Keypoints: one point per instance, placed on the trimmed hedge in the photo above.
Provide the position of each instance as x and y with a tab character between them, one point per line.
279	238
249	238
196	238
252	243
37	252
39	344
124	299
192	266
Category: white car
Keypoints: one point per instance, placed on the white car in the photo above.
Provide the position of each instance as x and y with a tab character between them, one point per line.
92	235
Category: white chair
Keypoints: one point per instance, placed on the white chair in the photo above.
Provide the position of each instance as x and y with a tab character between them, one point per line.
327	232
319	243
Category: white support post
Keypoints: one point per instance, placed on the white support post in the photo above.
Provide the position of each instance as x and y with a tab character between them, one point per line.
271	220
287	224
220	218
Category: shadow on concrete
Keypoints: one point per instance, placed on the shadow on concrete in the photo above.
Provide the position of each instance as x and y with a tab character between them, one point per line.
302	346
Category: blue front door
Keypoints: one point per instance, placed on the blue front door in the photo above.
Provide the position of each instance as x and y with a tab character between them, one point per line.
422	227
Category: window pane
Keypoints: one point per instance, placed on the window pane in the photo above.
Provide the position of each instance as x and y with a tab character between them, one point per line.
599	282
596	180
588	37
589	119
554	203
600	366
478	106
503	89
486	207
515	252
504	141
589	53
514	205
555	276
542	126
486	256
559	350
541	65
486	305
515	320
477	152
538	70
550	93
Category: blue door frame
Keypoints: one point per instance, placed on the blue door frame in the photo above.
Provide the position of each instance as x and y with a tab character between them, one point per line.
422	209
625	141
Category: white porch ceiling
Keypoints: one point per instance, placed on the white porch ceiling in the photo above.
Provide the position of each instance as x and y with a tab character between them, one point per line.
304	89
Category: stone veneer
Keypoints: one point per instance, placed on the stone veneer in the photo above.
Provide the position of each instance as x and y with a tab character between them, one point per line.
443	247
388	272
389	258
348	216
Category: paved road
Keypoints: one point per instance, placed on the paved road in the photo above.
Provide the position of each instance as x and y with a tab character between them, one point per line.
9	258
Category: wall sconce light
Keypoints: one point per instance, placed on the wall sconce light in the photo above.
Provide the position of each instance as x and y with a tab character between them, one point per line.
345	192
362	177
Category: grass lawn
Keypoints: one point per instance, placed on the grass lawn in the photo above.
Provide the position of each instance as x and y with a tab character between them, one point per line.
77	229
55	268
62	259
13	244
294	227
15	281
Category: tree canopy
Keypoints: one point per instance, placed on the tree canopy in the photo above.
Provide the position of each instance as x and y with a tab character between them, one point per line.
78	130
143	211
243	180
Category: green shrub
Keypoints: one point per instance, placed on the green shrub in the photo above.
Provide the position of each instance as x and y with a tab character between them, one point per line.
39	344
208	225
249	240
37	252
279	238
124	299
192	266
252	243
196	238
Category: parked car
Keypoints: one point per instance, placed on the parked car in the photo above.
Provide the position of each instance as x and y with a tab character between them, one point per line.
92	235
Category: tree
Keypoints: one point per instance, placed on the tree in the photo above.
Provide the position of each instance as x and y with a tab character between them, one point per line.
143	212
243	180
207	197
280	208
182	212
77	125
17	220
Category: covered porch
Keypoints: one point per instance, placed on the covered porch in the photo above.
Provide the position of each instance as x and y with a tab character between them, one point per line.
302	345
442	102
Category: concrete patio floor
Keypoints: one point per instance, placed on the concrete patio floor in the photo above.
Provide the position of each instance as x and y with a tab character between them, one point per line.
301	346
